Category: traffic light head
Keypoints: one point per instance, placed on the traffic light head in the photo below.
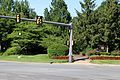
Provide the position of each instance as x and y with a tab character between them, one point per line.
39	20
18	18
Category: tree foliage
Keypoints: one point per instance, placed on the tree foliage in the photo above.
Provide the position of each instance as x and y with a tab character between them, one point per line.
100	26
8	27
56	34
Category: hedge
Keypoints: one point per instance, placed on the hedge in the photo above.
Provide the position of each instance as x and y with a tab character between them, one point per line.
11	51
57	50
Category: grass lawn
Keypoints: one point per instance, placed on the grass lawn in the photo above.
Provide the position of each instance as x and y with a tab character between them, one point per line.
106	62
43	58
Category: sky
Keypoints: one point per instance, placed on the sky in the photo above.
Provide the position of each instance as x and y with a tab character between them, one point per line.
40	5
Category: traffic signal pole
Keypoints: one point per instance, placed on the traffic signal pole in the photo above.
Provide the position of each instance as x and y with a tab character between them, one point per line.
71	43
70	26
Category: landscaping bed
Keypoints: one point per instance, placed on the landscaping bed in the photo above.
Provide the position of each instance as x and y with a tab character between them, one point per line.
105	58
115	55
61	57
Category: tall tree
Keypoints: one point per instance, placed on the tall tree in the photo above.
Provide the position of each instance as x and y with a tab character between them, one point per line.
8	26
58	13
26	36
23	8
83	23
108	23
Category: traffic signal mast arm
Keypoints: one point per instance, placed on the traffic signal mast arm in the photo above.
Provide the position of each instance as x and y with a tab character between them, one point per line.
24	19
34	20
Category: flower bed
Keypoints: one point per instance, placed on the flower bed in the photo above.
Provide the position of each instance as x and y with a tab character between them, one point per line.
105	58
61	57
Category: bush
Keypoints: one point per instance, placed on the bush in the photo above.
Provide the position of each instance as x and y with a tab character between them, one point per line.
11	51
91	52
57	50
1	53
115	53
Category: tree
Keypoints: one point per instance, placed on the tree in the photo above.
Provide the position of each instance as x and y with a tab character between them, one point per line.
23	8
83	25
47	14
8	26
58	13
26	36
108	24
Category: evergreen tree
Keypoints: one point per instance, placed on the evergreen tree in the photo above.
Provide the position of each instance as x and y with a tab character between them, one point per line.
26	36
58	13
108	24
83	25
23	8
8	26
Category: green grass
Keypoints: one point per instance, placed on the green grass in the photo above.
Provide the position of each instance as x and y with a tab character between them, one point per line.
106	62
43	58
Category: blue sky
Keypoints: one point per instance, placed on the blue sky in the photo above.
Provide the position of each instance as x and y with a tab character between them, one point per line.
40	5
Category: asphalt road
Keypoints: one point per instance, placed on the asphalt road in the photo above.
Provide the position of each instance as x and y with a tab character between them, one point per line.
41	71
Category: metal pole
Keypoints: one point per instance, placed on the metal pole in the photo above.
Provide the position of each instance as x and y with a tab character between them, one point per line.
70	47
57	23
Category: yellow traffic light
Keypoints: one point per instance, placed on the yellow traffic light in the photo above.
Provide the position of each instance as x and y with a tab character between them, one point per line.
18	18
39	20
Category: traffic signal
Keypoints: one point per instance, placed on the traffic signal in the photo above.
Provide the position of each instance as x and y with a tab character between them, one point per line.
18	17
39	20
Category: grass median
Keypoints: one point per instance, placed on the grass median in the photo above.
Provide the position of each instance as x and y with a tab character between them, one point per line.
42	58
116	62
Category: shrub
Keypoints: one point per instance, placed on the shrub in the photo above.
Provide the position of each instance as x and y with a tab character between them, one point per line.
104	53
57	50
91	52
1	53
86	51
115	53
11	51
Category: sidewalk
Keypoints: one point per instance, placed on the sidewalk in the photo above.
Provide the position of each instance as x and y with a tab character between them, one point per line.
87	61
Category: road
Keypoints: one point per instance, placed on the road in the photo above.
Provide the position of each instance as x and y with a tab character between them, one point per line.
45	71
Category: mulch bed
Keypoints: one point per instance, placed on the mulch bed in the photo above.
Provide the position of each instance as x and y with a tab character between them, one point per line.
104	58
61	57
